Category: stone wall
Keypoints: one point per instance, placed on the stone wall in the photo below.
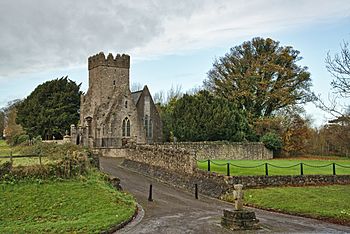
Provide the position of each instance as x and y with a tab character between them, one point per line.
226	150
216	185
171	159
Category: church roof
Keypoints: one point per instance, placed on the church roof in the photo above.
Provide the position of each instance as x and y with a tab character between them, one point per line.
136	95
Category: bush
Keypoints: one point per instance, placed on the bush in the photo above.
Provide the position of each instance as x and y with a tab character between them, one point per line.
22	139
272	141
73	165
37	140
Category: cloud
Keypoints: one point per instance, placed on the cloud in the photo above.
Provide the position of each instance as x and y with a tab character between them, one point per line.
40	35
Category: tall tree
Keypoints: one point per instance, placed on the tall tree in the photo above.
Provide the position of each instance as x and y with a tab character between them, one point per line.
339	66
261	77
203	117
50	109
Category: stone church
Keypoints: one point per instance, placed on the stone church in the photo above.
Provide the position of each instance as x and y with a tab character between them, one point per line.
110	114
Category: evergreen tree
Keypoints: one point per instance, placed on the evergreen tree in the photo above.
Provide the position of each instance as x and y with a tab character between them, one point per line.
50	109
203	117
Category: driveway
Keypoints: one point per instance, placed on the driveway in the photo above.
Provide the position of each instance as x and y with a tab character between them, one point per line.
177	211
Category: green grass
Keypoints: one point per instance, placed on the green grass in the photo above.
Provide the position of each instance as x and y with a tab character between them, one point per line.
326	202
85	205
6	150
234	170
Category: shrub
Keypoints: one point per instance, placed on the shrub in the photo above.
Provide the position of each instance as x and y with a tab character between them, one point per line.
22	139
37	140
74	164
272	141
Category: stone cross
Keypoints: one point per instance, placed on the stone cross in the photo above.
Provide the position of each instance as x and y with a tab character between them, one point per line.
238	196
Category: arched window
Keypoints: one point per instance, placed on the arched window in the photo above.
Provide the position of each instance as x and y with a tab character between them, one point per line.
126	128
148	126
126	104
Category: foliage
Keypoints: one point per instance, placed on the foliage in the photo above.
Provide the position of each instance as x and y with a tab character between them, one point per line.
203	117
70	166
2	123
261	77
258	166
331	139
12	129
272	141
291	127
308	201
63	206
50	109
22	139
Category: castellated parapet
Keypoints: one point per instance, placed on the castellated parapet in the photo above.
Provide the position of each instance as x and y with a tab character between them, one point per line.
120	61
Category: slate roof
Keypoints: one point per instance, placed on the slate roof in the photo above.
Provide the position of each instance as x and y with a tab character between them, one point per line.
136	95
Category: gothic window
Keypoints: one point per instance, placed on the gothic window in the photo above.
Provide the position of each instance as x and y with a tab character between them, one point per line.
126	104
126	128
150	129
148	126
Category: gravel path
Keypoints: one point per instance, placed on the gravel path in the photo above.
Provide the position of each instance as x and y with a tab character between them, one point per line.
176	211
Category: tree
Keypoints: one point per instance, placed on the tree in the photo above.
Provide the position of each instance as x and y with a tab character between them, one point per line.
12	129
2	123
203	117
260	77
50	109
339	67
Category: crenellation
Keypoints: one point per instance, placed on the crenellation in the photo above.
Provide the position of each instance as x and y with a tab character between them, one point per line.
120	61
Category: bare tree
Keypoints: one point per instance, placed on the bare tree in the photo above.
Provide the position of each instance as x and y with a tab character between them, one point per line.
136	87
339	66
158	97
174	92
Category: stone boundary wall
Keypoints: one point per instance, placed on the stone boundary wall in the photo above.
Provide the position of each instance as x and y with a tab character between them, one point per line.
171	159
225	150
168	158
216	185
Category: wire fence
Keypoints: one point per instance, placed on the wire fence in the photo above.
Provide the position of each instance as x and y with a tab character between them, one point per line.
301	166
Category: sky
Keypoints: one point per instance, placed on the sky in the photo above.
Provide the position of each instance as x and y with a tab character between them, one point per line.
171	43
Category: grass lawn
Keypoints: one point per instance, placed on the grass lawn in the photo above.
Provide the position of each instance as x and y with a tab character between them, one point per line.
5	150
310	166
325	202
85	205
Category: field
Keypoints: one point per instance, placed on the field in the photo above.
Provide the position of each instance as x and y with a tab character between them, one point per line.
85	204
327	202
278	166
6	150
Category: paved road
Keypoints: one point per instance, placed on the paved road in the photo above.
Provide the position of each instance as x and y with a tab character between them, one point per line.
176	211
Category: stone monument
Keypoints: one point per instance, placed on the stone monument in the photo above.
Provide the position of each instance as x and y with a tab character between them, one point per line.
239	219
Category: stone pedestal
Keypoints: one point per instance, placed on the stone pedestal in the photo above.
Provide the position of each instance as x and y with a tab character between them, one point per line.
239	220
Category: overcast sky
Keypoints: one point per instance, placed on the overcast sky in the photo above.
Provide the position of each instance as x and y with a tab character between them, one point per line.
170	42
